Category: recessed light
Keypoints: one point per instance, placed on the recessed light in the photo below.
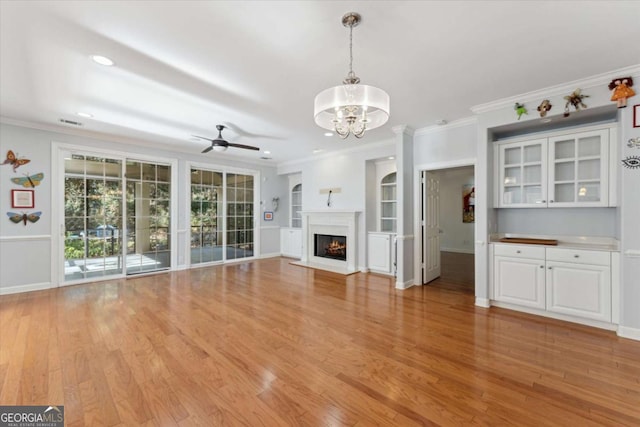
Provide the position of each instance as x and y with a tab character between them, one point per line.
87	115
267	152
391	157
318	150
328	134
102	60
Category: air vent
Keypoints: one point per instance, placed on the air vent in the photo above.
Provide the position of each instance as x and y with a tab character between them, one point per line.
70	122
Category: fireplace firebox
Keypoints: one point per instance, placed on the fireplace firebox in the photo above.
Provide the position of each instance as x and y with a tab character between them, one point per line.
328	246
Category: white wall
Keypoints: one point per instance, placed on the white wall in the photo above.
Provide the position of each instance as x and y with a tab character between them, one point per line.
25	251
346	171
456	236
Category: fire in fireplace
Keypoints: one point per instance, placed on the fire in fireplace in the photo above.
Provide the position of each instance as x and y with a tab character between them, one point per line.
328	246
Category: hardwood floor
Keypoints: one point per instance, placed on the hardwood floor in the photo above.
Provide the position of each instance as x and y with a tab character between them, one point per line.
457	272
268	343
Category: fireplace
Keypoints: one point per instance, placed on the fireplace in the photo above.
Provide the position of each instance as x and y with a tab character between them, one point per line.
329	246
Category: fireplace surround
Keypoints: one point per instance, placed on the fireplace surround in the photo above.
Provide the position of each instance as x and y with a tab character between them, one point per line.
331	222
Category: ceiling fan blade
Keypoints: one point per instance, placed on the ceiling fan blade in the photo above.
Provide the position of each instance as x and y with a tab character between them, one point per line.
202	137
246	147
209	148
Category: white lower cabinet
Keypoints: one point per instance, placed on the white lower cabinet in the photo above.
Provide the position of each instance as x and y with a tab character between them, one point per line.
380	252
291	242
570	282
519	275
581	287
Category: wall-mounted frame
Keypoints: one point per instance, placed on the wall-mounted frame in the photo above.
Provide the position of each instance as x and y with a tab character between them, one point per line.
268	216
636	116
22	199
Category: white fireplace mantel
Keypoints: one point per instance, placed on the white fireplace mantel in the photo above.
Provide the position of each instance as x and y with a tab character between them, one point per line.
330	221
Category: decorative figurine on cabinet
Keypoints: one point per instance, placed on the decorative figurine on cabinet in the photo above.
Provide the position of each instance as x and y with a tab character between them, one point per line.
520	109
576	99
621	90
544	107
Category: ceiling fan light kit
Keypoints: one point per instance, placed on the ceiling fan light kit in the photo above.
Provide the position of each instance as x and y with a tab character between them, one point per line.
219	144
351	108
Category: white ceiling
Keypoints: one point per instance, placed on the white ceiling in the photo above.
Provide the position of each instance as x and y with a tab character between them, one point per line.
183	67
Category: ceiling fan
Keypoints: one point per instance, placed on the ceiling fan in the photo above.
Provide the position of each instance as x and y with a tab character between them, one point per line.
220	144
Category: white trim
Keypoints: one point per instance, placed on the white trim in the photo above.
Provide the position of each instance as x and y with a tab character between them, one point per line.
558	316
405	237
25	288
471	161
272	227
403	129
404	285
615	287
597	80
457	250
35	237
269	255
483	302
466	121
627	332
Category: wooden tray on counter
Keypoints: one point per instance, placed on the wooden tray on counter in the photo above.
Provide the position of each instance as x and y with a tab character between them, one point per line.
528	241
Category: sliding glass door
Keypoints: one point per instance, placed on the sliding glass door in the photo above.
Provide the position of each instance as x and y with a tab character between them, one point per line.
93	217
98	193
222	216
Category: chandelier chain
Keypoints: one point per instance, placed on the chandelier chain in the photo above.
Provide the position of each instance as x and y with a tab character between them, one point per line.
350	49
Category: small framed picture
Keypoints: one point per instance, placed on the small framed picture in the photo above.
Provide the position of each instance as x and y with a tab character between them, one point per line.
22	199
268	216
636	116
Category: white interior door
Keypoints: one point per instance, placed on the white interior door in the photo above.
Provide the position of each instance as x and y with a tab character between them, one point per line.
431	220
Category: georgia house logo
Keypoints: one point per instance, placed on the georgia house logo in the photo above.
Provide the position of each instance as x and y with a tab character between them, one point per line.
31	416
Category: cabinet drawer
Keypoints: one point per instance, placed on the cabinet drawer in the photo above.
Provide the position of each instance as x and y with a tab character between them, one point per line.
578	256
519	251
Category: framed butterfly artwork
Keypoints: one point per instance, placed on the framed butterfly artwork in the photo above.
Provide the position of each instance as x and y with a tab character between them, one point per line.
15	161
16	218
23	199
29	181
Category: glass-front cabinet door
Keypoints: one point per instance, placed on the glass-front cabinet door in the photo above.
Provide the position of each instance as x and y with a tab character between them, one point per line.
523	174
578	169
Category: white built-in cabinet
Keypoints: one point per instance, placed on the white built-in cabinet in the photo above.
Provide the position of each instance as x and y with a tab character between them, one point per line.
567	169
570	282
381	252
291	242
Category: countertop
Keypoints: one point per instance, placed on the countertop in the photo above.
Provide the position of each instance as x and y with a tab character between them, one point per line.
564	242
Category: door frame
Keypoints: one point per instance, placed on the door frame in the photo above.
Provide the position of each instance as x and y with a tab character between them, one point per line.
58	218
418	198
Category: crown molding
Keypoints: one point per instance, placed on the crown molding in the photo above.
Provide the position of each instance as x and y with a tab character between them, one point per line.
561	89
467	121
406	129
168	147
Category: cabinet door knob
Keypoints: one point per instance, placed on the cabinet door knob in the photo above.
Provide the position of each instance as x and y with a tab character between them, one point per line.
517	252
549	268
576	256
550	201
542	266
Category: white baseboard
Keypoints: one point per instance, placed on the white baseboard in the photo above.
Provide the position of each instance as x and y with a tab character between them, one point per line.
483	302
458	250
25	288
404	285
627	332
270	255
364	270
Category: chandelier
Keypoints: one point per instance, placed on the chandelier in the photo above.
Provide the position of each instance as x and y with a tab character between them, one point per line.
351	108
